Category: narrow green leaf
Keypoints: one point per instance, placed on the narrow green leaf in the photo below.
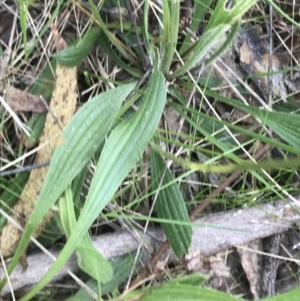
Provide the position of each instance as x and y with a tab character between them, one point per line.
284	14
178	290
82	137
122	150
92	262
193	279
186	292
36	124
73	55
66	211
230	39
229	168
292	295
23	23
238	129
286	125
44	84
171	205
199	10
11	194
89	259
220	22
105	44
171	12
145	29
130	40
126	52
77	186
121	269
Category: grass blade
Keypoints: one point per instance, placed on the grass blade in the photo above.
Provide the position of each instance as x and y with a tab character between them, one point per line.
286	125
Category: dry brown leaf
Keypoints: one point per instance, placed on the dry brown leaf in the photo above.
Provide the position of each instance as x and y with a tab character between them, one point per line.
61	110
252	265
22	101
254	59
207	265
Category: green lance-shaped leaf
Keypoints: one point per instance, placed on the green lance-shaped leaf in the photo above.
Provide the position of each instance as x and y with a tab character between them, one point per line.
82	137
121	269
220	22
186	292
123	148
170	205
171	12
89	259
187	288
286	125
73	55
